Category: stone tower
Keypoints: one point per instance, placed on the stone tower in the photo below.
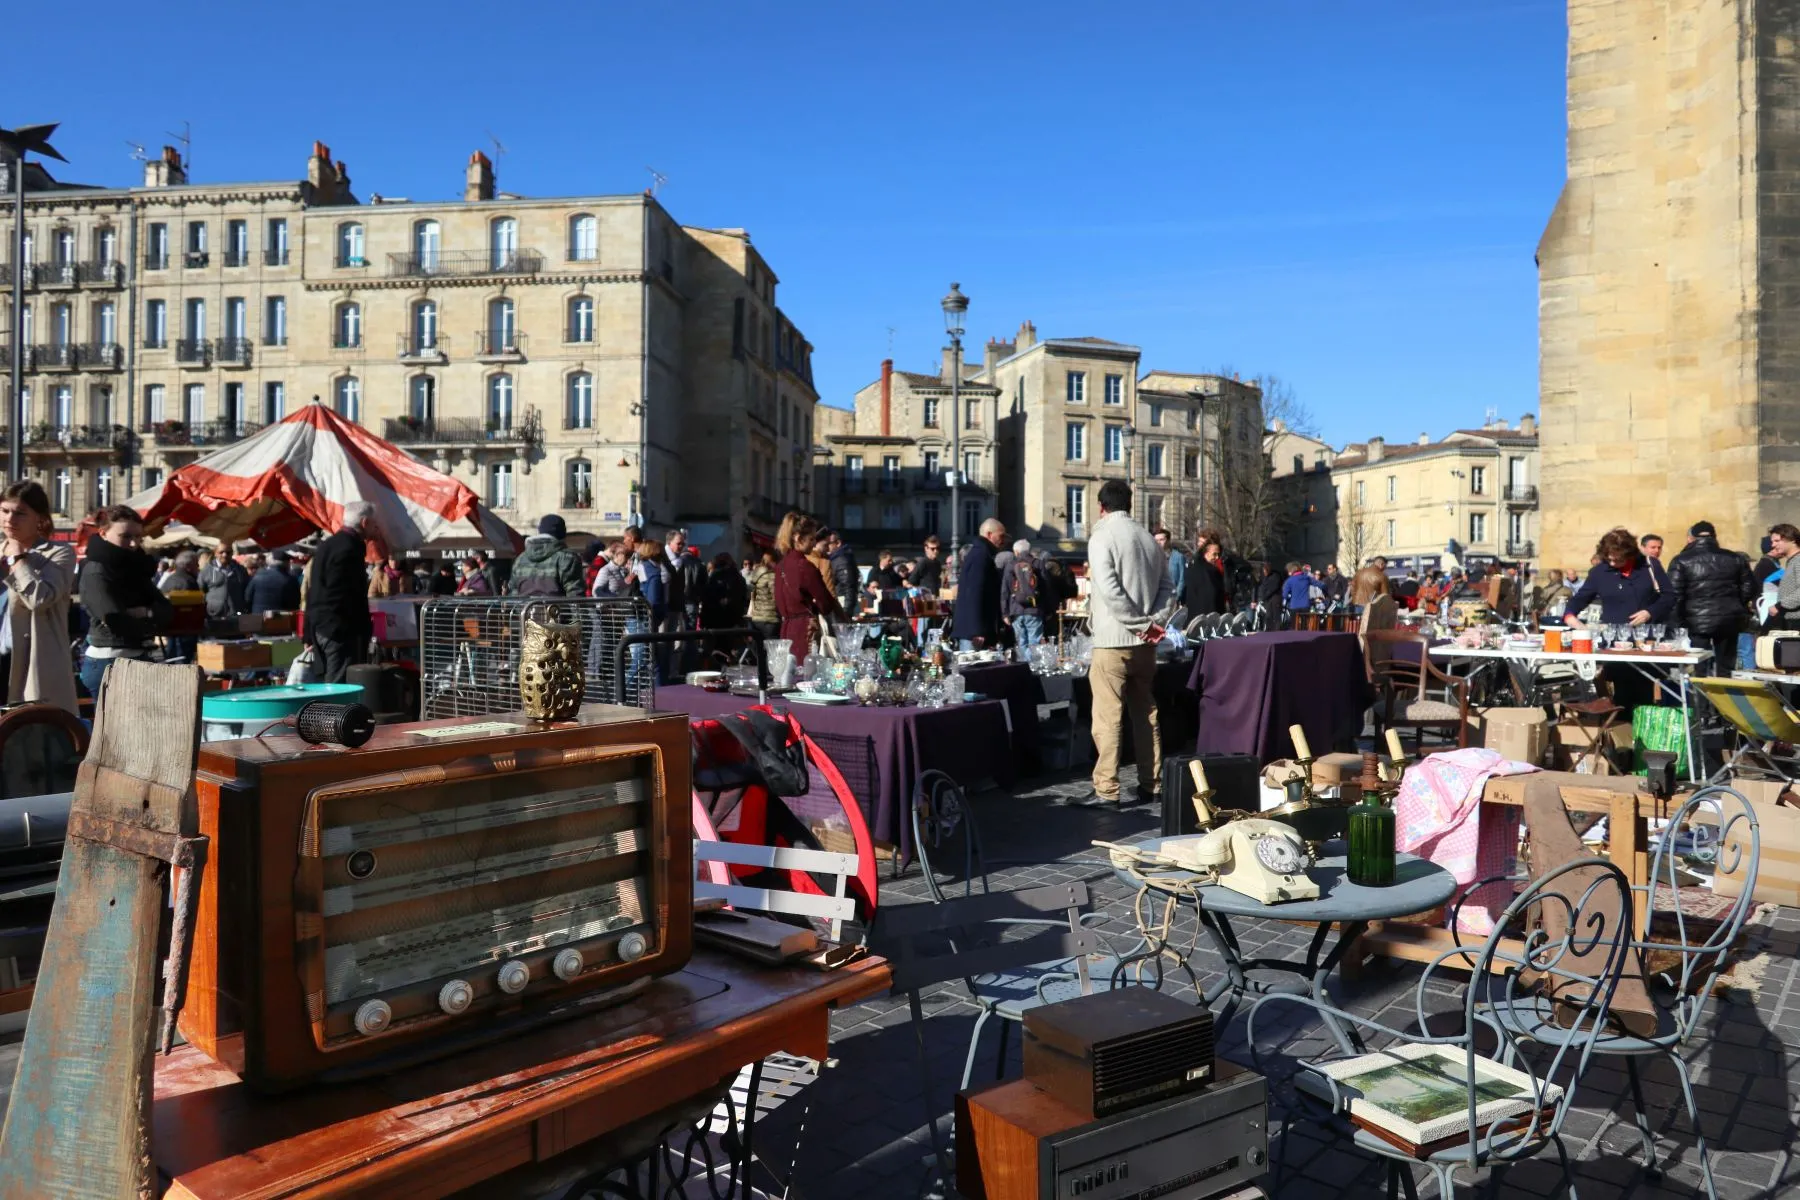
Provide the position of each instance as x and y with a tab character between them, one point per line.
1669	276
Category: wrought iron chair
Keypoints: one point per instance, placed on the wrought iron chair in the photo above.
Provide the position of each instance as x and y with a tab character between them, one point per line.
1552	956
1717	828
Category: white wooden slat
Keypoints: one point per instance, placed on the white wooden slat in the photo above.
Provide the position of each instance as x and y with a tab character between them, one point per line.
800	904
785	858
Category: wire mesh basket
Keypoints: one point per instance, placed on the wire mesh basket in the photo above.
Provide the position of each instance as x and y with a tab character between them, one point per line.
469	651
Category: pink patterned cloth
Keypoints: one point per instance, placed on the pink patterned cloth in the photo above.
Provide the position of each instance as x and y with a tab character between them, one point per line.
1439	816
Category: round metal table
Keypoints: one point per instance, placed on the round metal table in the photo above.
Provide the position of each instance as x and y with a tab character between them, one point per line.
1418	885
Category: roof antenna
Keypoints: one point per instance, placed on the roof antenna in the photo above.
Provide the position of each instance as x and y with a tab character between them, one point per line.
657	179
499	150
890	352
137	151
186	138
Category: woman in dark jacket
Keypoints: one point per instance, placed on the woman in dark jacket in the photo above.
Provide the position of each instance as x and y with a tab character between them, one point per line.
800	592
1628	594
1204	592
724	599
118	588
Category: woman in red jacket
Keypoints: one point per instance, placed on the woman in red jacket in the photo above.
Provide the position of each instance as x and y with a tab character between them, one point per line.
800	591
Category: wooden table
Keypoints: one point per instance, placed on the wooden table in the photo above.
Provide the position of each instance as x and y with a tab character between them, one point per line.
1628	847
435	1129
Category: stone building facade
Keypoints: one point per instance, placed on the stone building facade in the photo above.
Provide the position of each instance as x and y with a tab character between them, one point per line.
587	356
1669	283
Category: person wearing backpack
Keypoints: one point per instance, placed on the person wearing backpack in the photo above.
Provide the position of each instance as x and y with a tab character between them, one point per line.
1024	596
547	567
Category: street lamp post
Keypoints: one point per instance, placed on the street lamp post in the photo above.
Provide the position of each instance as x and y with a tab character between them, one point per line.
955	305
15	143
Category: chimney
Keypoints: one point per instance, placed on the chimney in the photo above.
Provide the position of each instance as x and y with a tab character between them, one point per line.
1027	336
480	184
949	366
1376	447
342	174
1424	439
166	171
887	397
321	178
1278	426
1528	424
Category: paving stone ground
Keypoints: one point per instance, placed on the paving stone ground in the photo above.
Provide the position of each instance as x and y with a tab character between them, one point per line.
864	1119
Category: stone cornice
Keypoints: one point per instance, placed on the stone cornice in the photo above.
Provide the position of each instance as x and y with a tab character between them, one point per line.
431	283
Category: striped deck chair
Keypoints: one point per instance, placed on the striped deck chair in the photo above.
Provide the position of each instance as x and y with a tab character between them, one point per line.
1769	730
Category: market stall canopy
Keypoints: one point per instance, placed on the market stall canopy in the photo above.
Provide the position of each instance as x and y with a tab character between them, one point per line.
296	476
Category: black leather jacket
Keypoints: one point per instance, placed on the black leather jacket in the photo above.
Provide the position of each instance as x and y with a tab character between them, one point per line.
1713	587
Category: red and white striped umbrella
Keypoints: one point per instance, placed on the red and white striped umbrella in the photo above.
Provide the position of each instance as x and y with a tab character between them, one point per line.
296	476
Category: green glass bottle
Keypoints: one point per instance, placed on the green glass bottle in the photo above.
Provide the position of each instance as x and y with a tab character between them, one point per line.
1371	859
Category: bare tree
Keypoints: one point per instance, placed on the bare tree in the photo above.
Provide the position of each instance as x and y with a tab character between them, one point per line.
1356	535
1240	496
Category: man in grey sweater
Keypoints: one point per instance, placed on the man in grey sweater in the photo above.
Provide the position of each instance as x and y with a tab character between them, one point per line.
1129	595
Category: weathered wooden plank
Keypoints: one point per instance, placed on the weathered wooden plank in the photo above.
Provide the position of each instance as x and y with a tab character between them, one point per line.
77	1123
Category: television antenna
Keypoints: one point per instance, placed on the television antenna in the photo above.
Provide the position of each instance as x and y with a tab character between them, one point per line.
890	352
186	138
499	150
137	151
657	179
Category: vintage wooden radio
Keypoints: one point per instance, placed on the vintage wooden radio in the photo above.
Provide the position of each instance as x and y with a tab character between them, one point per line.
449	882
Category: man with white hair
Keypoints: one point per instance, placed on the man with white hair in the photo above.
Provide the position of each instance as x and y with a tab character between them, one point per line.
1023	596
338	625
975	619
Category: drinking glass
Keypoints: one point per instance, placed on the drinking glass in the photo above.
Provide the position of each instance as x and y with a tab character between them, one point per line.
1656	633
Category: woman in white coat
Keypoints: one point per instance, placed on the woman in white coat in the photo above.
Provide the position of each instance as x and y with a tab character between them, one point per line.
40	577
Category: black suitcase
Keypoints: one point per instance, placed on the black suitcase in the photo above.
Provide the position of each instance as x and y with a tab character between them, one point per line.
1236	781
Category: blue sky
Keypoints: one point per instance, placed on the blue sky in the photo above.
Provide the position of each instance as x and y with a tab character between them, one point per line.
1344	195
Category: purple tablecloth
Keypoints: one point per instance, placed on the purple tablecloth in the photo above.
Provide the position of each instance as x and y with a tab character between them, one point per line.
958	741
1252	688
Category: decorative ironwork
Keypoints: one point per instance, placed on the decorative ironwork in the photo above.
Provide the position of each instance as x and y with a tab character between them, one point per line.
1519	493
197	351
499	343
275	258
58	275
58	356
414	348
232	351
463	431
100	356
77	437
195	259
108	272
450	264
200	433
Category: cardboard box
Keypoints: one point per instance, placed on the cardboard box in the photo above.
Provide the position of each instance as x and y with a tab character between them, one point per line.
1778	832
1574	744
278	624
232	656
1518	734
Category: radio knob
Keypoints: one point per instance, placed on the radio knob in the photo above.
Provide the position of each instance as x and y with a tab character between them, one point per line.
633	946
567	964
373	1017
456	996
514	975
1256	1156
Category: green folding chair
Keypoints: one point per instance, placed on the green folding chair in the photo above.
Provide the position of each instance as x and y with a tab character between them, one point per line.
1768	730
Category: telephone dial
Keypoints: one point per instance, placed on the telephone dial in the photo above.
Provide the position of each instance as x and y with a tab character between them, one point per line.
1264	860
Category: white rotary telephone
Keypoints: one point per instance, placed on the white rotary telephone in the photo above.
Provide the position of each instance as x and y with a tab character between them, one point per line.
1264	860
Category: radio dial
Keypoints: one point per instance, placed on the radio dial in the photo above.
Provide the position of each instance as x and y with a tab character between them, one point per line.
456	996
514	975
633	946
373	1017
567	964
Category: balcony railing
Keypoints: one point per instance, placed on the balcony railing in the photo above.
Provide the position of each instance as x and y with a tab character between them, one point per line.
108	272
578	499
237	257
233	351
344	261
58	274
6	273
1519	493
194	351
275	257
156	262
493	344
76	437
195	259
100	356
464	262
199	433
6	357
462	431
1520	549
415	348
923	480
58	356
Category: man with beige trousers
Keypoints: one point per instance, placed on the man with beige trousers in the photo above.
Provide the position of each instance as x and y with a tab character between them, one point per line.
1129	594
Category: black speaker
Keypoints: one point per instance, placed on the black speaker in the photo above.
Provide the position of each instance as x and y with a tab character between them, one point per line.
1236	781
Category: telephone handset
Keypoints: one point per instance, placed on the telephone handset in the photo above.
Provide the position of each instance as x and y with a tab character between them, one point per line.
1264	860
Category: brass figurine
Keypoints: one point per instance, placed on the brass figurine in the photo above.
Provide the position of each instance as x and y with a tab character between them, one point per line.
550	670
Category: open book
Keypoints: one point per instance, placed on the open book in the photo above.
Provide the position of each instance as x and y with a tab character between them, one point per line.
1420	1093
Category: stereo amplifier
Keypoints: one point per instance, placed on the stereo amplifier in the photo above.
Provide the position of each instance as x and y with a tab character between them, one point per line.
1112	1051
1015	1142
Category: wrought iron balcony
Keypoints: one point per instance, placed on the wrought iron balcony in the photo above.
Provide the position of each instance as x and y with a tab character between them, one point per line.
195	259
463	431
194	352
100	356
156	262
232	352
1520	549
578	498
237	257
499	345
6	357
273	257
416	349
58	356
53	437
104	273
58	274
924	480
1518	493
6	273
451	263
200	433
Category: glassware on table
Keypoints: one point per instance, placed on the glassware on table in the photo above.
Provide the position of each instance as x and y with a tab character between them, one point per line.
1656	634
955	688
933	696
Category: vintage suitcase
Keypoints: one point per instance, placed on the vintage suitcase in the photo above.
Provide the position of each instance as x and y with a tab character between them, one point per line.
449	882
1236	782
